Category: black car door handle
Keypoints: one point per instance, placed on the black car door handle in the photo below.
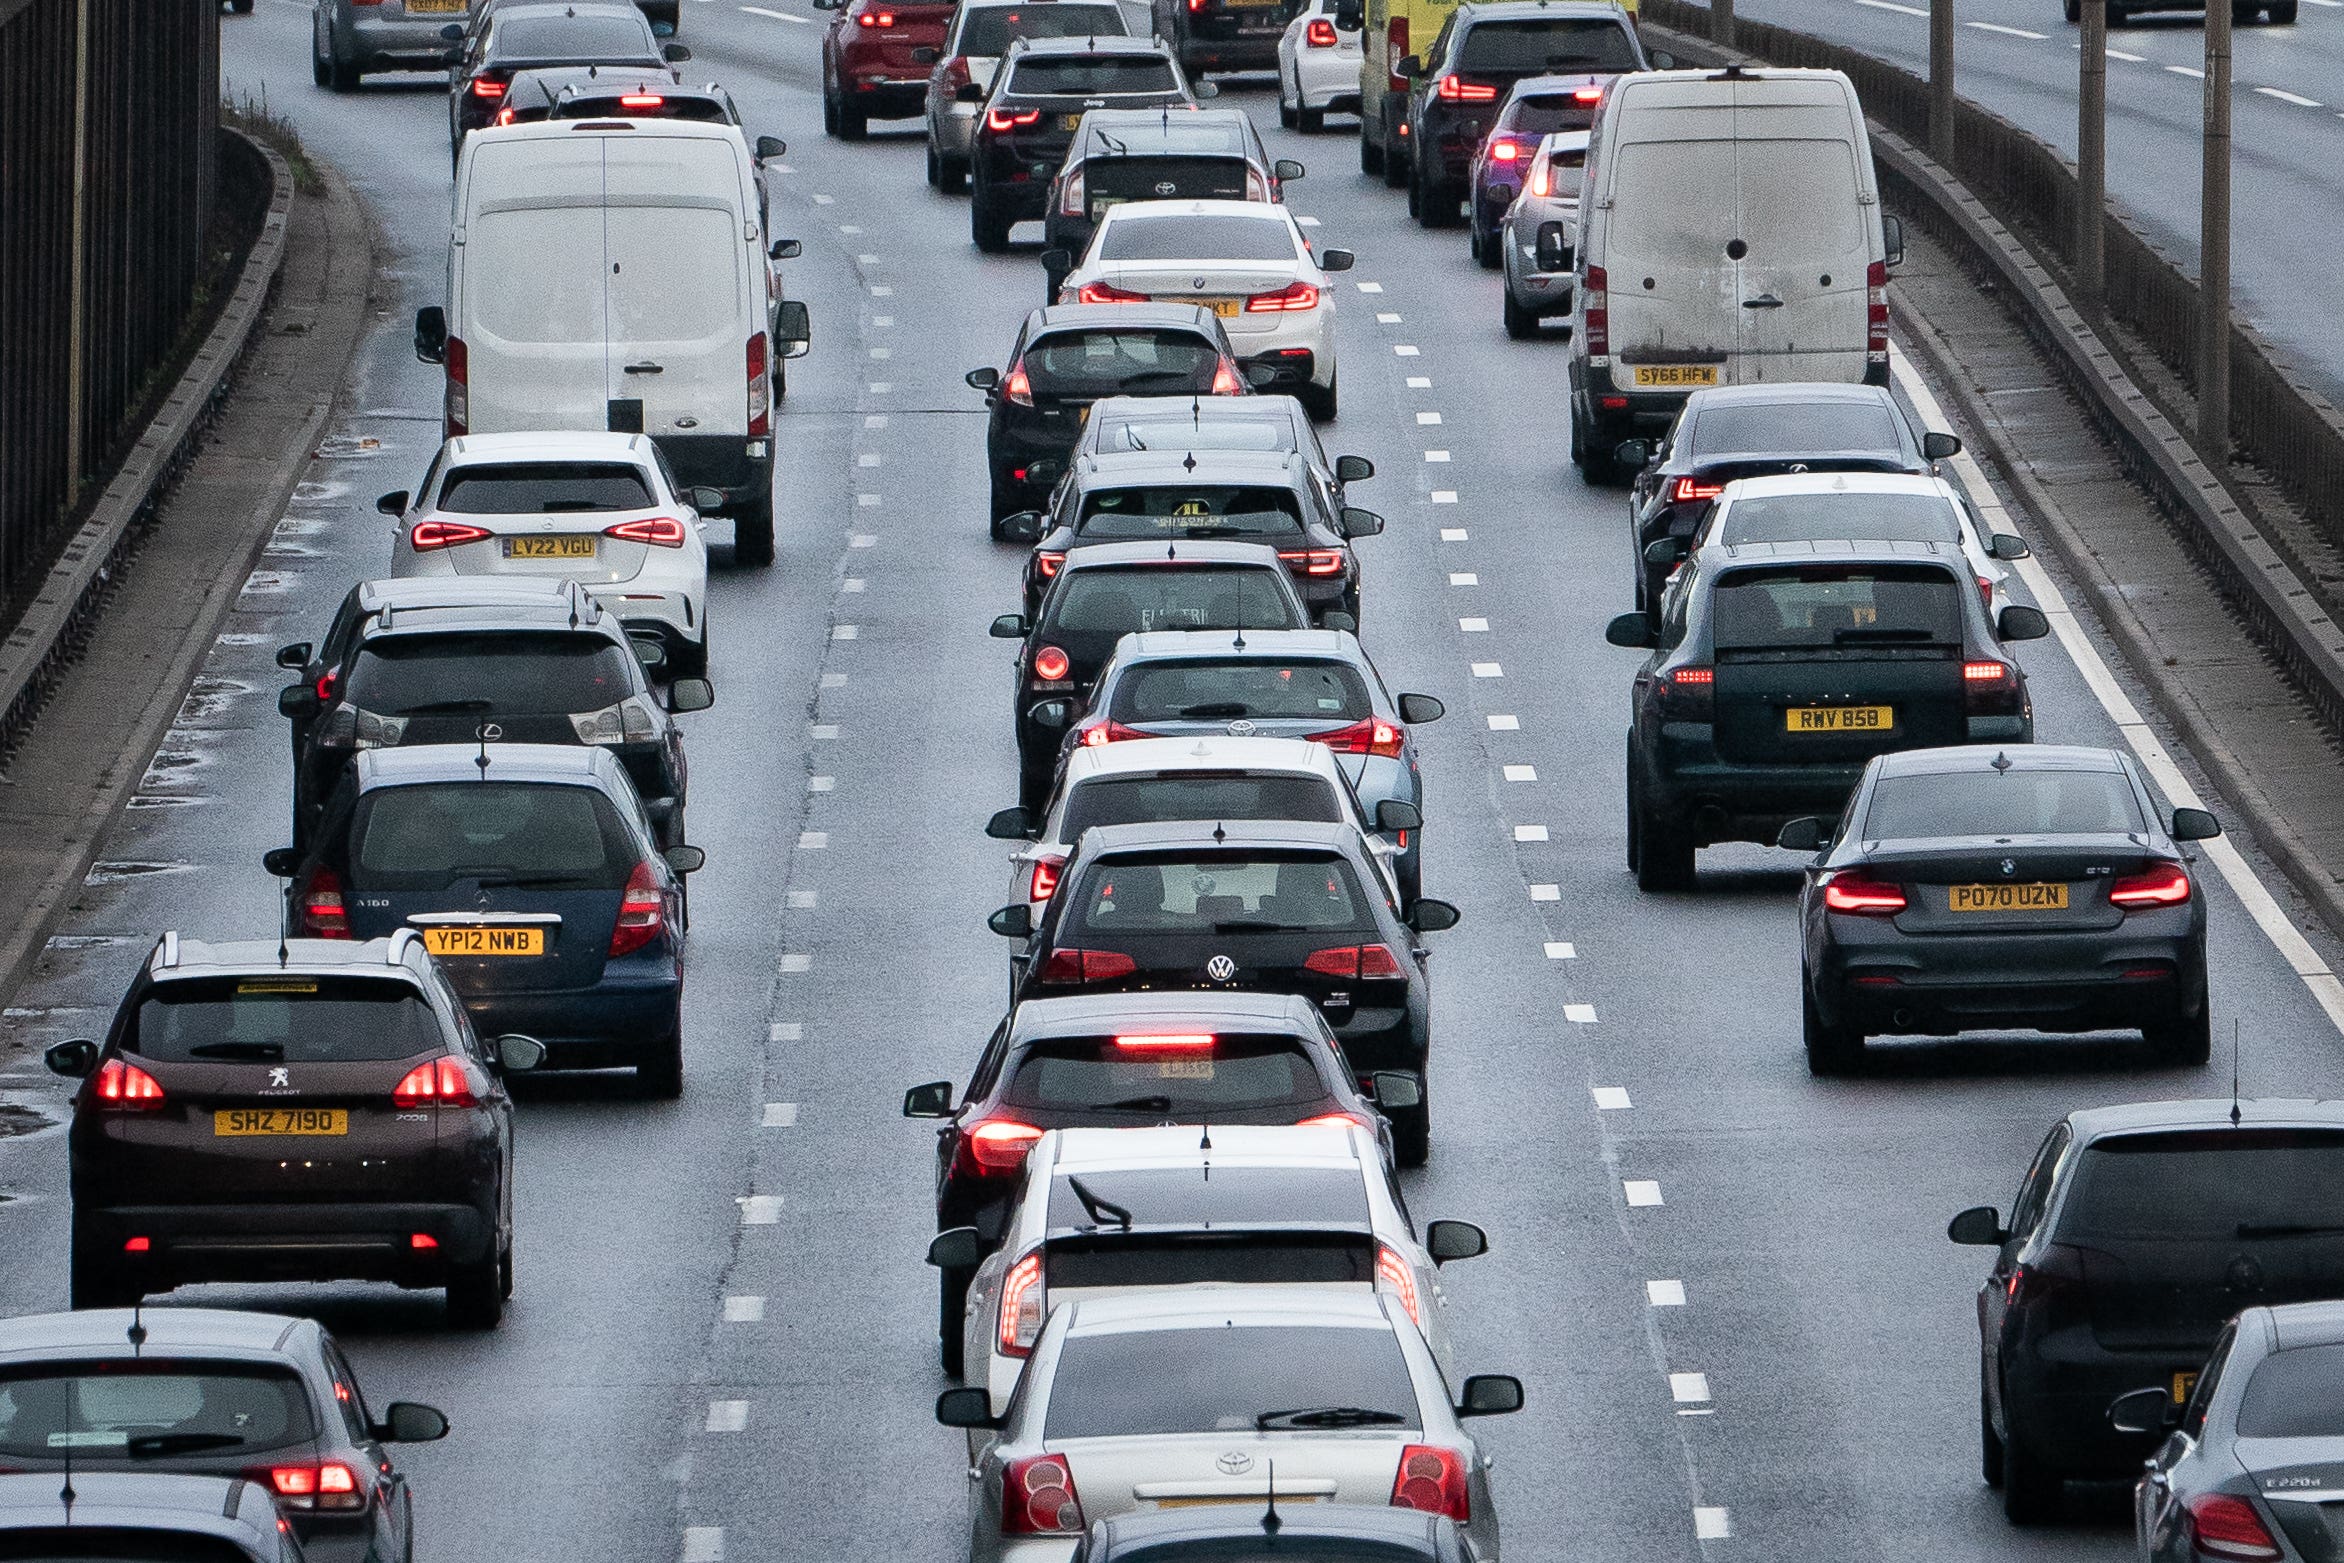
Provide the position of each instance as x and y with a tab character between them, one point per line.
646	367
1762	301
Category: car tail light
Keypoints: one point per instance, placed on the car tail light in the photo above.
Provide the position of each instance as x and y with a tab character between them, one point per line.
1542	180
422	1243
138	1245
760	388
1018	389
1294	296
1052	664
325	685
1037	1492
428	536
1001	120
1107	293
1335	1121
1991	688
641	100
1505	151
1074	966
1431	1479
1985	596
1396	47
456	404
997	1145
1100	731
1397	1276
658	531
1320	34
642	912
876	19
1455	89
1687	490
1360	962
1024	1305
1167	1042
1195	6
1876	312
1857	896
1688	694
487	88
1368	735
1044	883
1595	306
323	916
504	116
2223	1526
2165	885
126	1088
956	74
1046	565
1070	195
444	1082
1314	561
331	1485
1226	380
1255	190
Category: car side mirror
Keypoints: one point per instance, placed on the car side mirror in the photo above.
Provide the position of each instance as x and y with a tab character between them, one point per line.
2007	545
1205	90
1361	523
1025	526
2194	825
74	1060
793	328
933	1100
1287	168
967	1407
1490	1394
985	379
1447	1240
1010	626
2148	1410
294	657
1892	241
451	56
1667	551
786	249
281	862
1430	916
1015	921
1398	814
649	652
393	504
1396	1092
1936	446
1980	1226
431	334
1802	835
515	1053
686	859
1662	60
1410	65
926	56
771	146
1416	710
2020	622
968	92
1260	376
957	1249
1052	714
1630	630
1632	454
297	701
1339	620
1353	469
453	32
1554	250
405	1422
675	53
705	499
690	694
1010	824
1337	260
663	29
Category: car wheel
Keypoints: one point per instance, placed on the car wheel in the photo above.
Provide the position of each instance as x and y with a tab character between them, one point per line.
853	124
1592	448
662	1075
1664	849
2188	1040
955	172
829	108
952	1301
935	169
320	70
240	7
1989	1445
476	1295
1521	325
2074	10
2282	12
1321	405
1415	193
1371	152
1411	871
1395	166
989	232
345	77
2032	1493
1488	248
1286	114
1312	121
96	1281
1831	1050
1412	1130
753	534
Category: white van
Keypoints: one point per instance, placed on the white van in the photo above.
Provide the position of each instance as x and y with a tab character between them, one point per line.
1729	234
614	274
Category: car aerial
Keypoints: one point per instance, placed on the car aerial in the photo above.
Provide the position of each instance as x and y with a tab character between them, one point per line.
1068	356
1535	108
531	96
599	94
1028	119
1110	590
1304	1533
2249	1456
1221	35
1750	431
1779	669
2138	1232
965	63
1279	905
1121	155
144	1514
515	38
1190	423
556	669
1312	684
1256	496
311	1110
1207	778
1247	262
1991	887
1318	67
1141	1401
1480	52
1101	1061
871	65
1112	1210
1534	238
216	1393
350	39
532	874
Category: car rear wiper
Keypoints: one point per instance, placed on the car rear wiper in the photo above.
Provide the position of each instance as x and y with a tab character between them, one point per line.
1329	1416
268	1050
1215	710
153	1445
556	507
2286	1229
1842	636
1256	925
1214	531
534	882
1138	1104
1144	376
437	707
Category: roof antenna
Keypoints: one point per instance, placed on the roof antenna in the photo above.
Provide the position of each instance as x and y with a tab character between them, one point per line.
1219	835
2001	761
1270	1520
1188	462
1205	1143
284	916
65	1494
1239	643
137	1333
481	760
2234	1113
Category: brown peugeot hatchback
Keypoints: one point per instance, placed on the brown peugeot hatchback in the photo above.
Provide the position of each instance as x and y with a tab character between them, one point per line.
304	1110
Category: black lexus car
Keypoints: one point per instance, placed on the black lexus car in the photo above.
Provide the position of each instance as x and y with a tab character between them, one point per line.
1039	96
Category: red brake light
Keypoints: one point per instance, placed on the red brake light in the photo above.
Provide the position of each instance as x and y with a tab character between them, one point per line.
1431	1479
1859	897
1100	731
642	912
1105	293
1024	1306
1047	564
2223	1526
658	531
1070	965
1000	1144
1332	1121
1019	390
1505	151
1037	1492
443	1082
456	399
1984	672
487	87
332	1485
1364	962
322	914
1693	676
641	100
760	388
126	1088
2167	885
876	19
1687	490
1454	89
1876	312
1595	306
1044	883
324	687
1226	380
138	1245
1320	34
1052	664
1167	1042
1008	119
422	1243
1395	1275
1294	296
430	535
1586	94
1368	735
1314	561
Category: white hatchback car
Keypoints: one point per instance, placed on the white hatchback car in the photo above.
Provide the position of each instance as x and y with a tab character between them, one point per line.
1246	261
599	509
1318	68
1111	1211
1165	1399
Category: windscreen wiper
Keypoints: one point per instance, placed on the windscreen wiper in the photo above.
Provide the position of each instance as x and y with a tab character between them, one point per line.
1255	925
1215	710
268	1050
153	1445
2286	1229
1841	636
439	707
1102	1211
534	882
1329	1416
1138	1104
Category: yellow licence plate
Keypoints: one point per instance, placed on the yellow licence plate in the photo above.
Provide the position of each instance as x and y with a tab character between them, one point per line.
1223	307
484	941
1069	121
566	545
1672	377
1839	719
249	1122
2006	898
435	7
2184	1385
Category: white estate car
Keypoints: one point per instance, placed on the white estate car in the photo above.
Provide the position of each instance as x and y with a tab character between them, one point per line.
1318	68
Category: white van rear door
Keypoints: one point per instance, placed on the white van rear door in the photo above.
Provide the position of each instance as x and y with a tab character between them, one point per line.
1802	280
1674	306
678	335
530	299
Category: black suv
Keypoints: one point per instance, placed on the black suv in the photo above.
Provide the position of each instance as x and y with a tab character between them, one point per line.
1455	86
1223	35
1134	155
516	38
1039	96
1070	355
1779	669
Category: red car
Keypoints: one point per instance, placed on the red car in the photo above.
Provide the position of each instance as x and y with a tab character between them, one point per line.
868	66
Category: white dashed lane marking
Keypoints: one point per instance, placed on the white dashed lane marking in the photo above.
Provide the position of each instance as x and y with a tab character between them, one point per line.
824	732
1711	1525
1521	773
705	1543
1641	1192
1436	456
1387	319
744	1310
1463	578
1417	382
728	1416
795	961
802	900
780	1115
1446	496
764	1210
1688	1389
1490	670
2007	32
779	16
2297	99
843	632
813	840
1579	1014
1370	287
1557	950
1403	350
1611	1098
1473	626
1530	833
2192	72
1428	417
1546	892
1504	723
786	1031
1665	1294
821	784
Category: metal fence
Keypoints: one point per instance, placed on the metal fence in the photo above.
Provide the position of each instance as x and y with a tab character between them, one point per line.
109	172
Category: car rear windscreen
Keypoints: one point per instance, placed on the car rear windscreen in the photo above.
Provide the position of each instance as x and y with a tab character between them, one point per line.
1548	44
619	39
282	1018
1217	1195
1547	112
990	30
1235	1258
1216	893
1848	607
2001	803
148	1409
1116	602
1201	434
516	835
1165	1082
1188	236
2220	1185
1190	510
1186	136
1107	362
2295	1394
1095	77
510	672
1241	689
1794	429
644	105
1217	1379
1147	800
532	488
1290	1548
1840	517
117	1544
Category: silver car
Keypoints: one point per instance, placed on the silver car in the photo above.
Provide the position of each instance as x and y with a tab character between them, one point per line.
1170	1399
981	32
1538	284
352	38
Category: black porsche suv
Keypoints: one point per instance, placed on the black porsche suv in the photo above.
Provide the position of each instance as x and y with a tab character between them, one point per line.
1038	100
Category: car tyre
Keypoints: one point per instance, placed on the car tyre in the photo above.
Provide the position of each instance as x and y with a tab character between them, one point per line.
988	230
1591	447
1321	404
935	169
1313	122
661	1076
753	534
955	172
2282	12
1286	112
240	7
952	1301
1831	1050
2188	1041
1395	166
2032	1493
1662	848
477	1293
1371	152
2074	10
1521	324
1989	1445
1415	196
829	108
1412	1129
321	70
344	77
95	1281
853	124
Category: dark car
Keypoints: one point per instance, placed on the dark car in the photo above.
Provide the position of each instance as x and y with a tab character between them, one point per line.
1993	887
1480	52
1780	669
1083	1061
1535	108
1222	35
1068	356
533	876
307	1111
550	667
214	1393
2139	1231
1309	1532
143	1514
1749	431
1111	590
516	38
1189	423
2250	1455
1276	905
1123	155
871	61
1039	96
1154	496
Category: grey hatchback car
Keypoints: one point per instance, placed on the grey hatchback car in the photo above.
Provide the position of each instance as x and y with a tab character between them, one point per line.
349	39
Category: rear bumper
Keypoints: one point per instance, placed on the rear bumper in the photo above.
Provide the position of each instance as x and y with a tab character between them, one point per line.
740	465
1726	800
309	1242
2150	969
2055	1403
403	44
883	96
615	1023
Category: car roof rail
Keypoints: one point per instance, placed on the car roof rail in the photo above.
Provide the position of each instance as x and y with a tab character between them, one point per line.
401	941
166	951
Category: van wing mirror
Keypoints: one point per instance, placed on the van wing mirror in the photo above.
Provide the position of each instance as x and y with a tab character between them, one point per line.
1980	1226
933	1100
1353	469
1937	446
1892	241
2194	825
786	249
1416	710
794	328
431	334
